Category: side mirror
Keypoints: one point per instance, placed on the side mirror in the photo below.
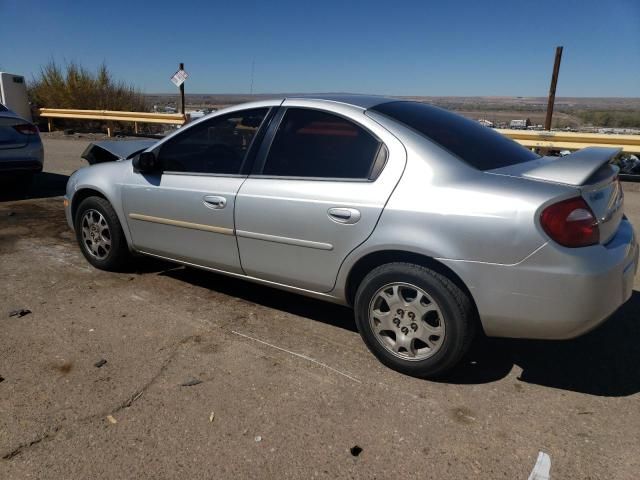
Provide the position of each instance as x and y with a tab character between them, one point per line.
146	162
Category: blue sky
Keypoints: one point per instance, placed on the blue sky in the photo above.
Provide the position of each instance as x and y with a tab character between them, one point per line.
397	47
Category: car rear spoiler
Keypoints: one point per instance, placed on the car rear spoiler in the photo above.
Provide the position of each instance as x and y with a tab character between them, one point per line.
112	150
573	169
576	169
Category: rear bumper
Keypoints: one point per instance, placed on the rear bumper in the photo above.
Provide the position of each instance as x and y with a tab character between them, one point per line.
557	292
27	159
26	165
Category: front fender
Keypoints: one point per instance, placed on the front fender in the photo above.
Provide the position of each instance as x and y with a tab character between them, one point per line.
106	180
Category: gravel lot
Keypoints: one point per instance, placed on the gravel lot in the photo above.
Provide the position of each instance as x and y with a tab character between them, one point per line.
288	388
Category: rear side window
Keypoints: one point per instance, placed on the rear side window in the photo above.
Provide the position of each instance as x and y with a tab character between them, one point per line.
311	143
3	108
479	146
216	146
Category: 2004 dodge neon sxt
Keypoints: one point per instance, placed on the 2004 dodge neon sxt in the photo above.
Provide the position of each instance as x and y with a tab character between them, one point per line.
428	224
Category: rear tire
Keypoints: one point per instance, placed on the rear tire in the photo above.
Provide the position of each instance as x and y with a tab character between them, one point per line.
100	235
414	320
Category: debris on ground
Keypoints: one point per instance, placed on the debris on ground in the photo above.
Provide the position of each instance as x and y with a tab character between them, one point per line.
356	450
21	312
100	363
258	438
191	382
64	368
136	397
1	379
11	214
541	470
212	415
111	419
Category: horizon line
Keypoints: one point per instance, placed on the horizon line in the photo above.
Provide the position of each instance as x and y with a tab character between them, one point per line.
386	95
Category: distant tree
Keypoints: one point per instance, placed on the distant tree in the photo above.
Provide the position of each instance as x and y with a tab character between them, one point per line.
74	86
610	118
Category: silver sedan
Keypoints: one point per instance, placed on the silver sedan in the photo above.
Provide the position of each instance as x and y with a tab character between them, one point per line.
430	225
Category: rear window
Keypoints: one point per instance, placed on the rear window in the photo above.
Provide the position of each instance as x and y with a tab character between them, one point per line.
479	146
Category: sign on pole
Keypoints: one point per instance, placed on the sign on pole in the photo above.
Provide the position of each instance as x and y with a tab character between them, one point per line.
179	77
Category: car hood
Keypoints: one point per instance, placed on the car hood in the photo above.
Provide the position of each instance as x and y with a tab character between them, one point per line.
113	150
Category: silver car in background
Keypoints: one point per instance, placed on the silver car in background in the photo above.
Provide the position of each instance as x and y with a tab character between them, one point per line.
21	151
430	225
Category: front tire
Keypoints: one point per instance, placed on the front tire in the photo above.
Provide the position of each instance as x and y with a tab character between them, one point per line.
100	235
413	319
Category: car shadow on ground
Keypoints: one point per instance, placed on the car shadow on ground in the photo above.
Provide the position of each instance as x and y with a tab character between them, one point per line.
318	310
603	362
43	185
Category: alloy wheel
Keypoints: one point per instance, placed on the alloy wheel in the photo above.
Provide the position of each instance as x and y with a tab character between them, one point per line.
96	236
407	321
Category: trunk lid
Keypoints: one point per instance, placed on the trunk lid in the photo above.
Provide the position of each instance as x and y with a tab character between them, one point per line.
590	172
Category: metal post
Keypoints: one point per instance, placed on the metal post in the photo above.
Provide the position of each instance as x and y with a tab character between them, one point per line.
552	89
253	64
182	92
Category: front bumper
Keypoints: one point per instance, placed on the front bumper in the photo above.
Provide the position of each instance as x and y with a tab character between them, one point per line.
67	211
557	292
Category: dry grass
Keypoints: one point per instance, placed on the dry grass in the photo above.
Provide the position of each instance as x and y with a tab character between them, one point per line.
74	86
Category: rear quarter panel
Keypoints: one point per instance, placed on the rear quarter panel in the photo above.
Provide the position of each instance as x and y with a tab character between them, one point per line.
446	210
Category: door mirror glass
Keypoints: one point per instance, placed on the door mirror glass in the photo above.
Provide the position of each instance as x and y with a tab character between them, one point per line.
146	162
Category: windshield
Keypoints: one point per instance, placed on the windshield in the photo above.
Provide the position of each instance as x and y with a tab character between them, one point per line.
479	146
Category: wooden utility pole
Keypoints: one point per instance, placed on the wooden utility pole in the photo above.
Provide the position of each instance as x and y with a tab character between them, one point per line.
253	65
552	89
182	92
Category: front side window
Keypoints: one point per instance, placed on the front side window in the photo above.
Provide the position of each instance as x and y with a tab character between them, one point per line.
311	143
215	146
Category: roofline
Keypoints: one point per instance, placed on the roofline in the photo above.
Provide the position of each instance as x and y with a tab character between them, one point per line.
356	100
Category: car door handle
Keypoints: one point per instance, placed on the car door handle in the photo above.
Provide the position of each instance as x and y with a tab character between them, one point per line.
344	215
214	201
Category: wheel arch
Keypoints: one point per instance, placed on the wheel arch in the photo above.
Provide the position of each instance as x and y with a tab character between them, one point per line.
82	194
91	191
374	259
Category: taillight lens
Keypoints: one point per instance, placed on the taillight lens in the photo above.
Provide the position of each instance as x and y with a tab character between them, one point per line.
26	129
571	223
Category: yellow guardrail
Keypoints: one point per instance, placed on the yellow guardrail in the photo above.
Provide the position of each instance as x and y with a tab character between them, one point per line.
572	140
528	138
112	116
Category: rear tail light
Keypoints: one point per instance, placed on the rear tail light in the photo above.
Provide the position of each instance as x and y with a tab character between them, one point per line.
571	223
26	129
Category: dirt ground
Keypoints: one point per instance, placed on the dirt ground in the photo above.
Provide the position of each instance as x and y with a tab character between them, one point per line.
287	388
